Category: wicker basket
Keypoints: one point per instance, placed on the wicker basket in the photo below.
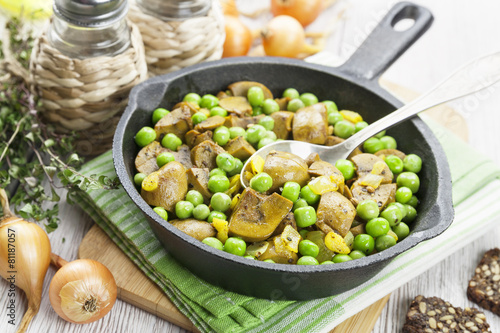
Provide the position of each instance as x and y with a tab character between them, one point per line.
86	96
172	45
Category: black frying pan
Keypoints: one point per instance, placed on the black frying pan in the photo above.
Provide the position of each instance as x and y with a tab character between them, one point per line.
352	86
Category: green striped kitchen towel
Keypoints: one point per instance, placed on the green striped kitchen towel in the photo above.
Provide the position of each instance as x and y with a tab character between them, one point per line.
213	309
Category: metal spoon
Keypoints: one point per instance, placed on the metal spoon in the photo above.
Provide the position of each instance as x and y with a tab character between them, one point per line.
471	78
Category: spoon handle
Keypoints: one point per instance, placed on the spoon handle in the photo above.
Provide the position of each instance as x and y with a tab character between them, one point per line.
471	78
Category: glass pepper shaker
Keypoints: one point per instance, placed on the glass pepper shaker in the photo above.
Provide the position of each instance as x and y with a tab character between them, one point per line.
174	10
89	28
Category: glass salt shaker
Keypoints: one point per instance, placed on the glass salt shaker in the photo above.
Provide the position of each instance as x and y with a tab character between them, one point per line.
174	10
89	28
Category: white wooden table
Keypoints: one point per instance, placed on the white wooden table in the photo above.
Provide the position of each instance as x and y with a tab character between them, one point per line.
462	30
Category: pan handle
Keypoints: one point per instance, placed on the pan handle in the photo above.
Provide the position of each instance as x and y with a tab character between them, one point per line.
384	45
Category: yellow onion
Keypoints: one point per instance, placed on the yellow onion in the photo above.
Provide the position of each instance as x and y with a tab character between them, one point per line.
81	291
24	257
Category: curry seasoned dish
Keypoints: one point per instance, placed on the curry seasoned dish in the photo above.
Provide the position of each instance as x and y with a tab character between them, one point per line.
294	210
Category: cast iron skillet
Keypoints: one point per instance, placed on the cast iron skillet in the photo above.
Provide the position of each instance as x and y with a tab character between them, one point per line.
352	86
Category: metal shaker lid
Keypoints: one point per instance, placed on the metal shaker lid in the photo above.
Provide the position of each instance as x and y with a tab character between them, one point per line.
90	13
175	9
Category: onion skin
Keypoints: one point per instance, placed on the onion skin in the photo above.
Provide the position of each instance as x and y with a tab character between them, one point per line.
87	272
283	36
32	258
229	8
304	11
238	38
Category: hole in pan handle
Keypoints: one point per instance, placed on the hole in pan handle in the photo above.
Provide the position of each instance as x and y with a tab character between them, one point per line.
385	44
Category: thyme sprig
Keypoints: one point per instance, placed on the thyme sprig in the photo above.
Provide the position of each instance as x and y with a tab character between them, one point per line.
35	161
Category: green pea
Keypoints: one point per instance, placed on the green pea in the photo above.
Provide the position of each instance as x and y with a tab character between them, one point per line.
171	141
221	135
255	133
334	117
250	257
401	230
184	209
201	212
363	243
192	97
299	204
346	167
308	99
267	122
198	117
372	145
291	93
392	214
401	207
194	197
410	180
377	227
330	106
384	242
237	168
308	248
138	178
216	171
412	163
145	136
209	101
226	162
235	246
218	111
164	158
257	110
360	125
213	242
218	183
327	262
343	129
380	134
394	163
411	214
158	114
311	197
270	106
237	131
367	209
261	182
307	260
303	233
270	260
215	214
356	254
264	142
162	212
295	104
403	195
305	216
413	201
389	142
291	191
220	202
255	96
338	258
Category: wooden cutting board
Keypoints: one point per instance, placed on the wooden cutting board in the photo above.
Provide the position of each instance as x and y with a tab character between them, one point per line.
135	288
